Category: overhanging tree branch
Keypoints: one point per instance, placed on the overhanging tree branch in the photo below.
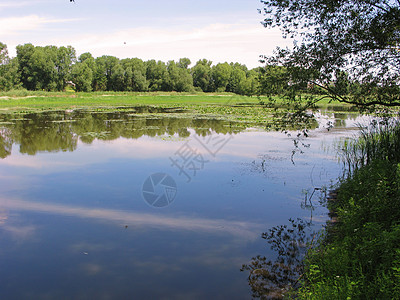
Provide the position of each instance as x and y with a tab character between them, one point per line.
358	38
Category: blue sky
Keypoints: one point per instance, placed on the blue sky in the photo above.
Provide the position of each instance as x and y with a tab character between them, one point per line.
218	30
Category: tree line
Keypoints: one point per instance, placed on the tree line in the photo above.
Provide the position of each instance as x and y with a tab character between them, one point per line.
52	68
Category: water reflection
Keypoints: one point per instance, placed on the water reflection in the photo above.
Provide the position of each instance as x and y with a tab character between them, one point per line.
244	230
273	278
60	131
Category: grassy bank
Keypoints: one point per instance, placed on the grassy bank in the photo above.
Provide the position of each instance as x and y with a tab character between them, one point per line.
48	100
359	257
38	100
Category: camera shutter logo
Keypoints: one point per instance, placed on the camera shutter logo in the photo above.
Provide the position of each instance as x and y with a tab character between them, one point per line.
159	190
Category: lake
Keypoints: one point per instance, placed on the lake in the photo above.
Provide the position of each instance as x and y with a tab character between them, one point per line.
149	204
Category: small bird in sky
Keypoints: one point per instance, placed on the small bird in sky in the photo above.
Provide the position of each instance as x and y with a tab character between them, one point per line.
72	1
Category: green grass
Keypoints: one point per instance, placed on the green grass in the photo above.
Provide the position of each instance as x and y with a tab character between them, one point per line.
40	100
23	99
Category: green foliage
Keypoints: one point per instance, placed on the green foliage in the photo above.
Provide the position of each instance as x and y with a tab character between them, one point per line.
220	76
360	256
184	63
44	68
348	49
361	266
82	76
157	74
380	141
273	80
179	78
201	73
9	76
3	53
135	75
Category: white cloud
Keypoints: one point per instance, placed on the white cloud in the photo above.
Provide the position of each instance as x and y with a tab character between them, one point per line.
17	3
14	4
217	42
17	25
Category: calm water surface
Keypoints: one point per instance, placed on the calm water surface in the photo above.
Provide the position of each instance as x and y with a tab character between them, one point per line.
75	223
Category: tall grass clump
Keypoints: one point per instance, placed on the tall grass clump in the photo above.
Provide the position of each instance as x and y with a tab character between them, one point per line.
379	141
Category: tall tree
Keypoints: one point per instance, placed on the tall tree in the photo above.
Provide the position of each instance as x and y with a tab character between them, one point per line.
9	77
65	57
117	78
220	76
356	38
24	55
237	81
105	66
179	78
157	75
201	74
135	74
82	76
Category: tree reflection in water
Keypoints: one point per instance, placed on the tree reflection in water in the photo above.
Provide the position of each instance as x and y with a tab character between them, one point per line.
61	130
272	279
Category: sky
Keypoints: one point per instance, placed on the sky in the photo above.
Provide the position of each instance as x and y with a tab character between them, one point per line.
217	30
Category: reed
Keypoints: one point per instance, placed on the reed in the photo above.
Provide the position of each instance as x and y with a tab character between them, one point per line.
379	141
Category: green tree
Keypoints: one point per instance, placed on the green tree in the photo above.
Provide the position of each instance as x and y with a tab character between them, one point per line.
201	74
237	82
9	77
44	68
253	82
24	55
82	76
117	78
184	63
157	75
359	37
3	54
135	75
87	57
274	80
105	65
65	57
139	82
179	78
220	75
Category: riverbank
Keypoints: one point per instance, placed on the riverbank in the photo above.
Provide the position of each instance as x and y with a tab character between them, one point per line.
360	257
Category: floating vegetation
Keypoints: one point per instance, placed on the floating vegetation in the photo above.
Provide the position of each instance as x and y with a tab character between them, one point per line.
63	121
172	138
96	135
